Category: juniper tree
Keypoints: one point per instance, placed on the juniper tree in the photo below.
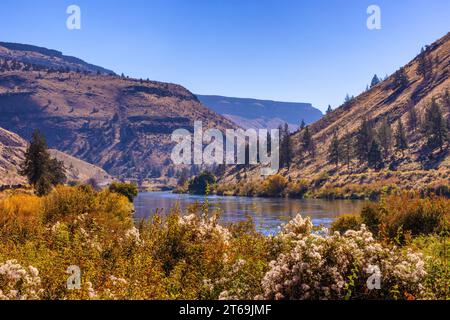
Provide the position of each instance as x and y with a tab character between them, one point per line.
435	127
334	150
41	170
329	109
401	143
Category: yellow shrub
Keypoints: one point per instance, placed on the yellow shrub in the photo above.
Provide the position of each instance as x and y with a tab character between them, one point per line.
274	186
20	216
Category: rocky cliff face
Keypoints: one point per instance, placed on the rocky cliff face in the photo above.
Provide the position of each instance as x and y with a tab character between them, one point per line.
122	125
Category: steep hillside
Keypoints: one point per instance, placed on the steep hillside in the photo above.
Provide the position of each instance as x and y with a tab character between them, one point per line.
262	114
387	101
12	149
122	125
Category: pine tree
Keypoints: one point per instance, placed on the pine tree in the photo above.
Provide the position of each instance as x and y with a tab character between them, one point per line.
385	137
435	127
307	142
413	119
400	79
58	173
364	137
329	109
41	171
375	160
302	124
401	143
347	99
446	101
285	146
334	150
375	81
424	65
346	149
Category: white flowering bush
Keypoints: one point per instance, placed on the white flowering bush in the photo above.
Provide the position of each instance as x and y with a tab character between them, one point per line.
205	227
336	267
19	283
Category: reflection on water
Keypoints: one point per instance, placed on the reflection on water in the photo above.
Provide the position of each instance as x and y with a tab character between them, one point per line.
267	213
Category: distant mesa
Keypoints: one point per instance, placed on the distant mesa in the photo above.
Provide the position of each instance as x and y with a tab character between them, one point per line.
262	114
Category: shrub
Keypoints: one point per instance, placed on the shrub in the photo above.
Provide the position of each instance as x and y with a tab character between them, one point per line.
346	222
404	214
297	189
338	267
371	216
21	216
202	183
437	257
129	190
274	186
19	283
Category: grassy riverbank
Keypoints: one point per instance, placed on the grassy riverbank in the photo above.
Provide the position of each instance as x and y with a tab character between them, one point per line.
366	186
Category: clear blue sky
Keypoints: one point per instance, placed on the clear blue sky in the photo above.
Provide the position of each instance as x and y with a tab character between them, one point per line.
289	50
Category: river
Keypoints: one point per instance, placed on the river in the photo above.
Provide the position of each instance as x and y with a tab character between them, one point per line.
267	213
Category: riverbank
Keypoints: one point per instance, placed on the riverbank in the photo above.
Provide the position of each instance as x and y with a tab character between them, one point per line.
363	186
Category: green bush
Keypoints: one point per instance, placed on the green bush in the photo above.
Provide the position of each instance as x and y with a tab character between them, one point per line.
346	222
371	217
129	190
201	183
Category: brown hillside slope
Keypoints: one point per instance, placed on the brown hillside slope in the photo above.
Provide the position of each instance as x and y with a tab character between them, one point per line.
382	101
122	125
12	149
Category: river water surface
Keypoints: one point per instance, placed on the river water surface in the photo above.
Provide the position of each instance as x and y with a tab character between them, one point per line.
267	213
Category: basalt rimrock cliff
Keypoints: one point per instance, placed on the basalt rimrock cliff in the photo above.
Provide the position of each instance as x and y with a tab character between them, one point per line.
384	101
122	125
